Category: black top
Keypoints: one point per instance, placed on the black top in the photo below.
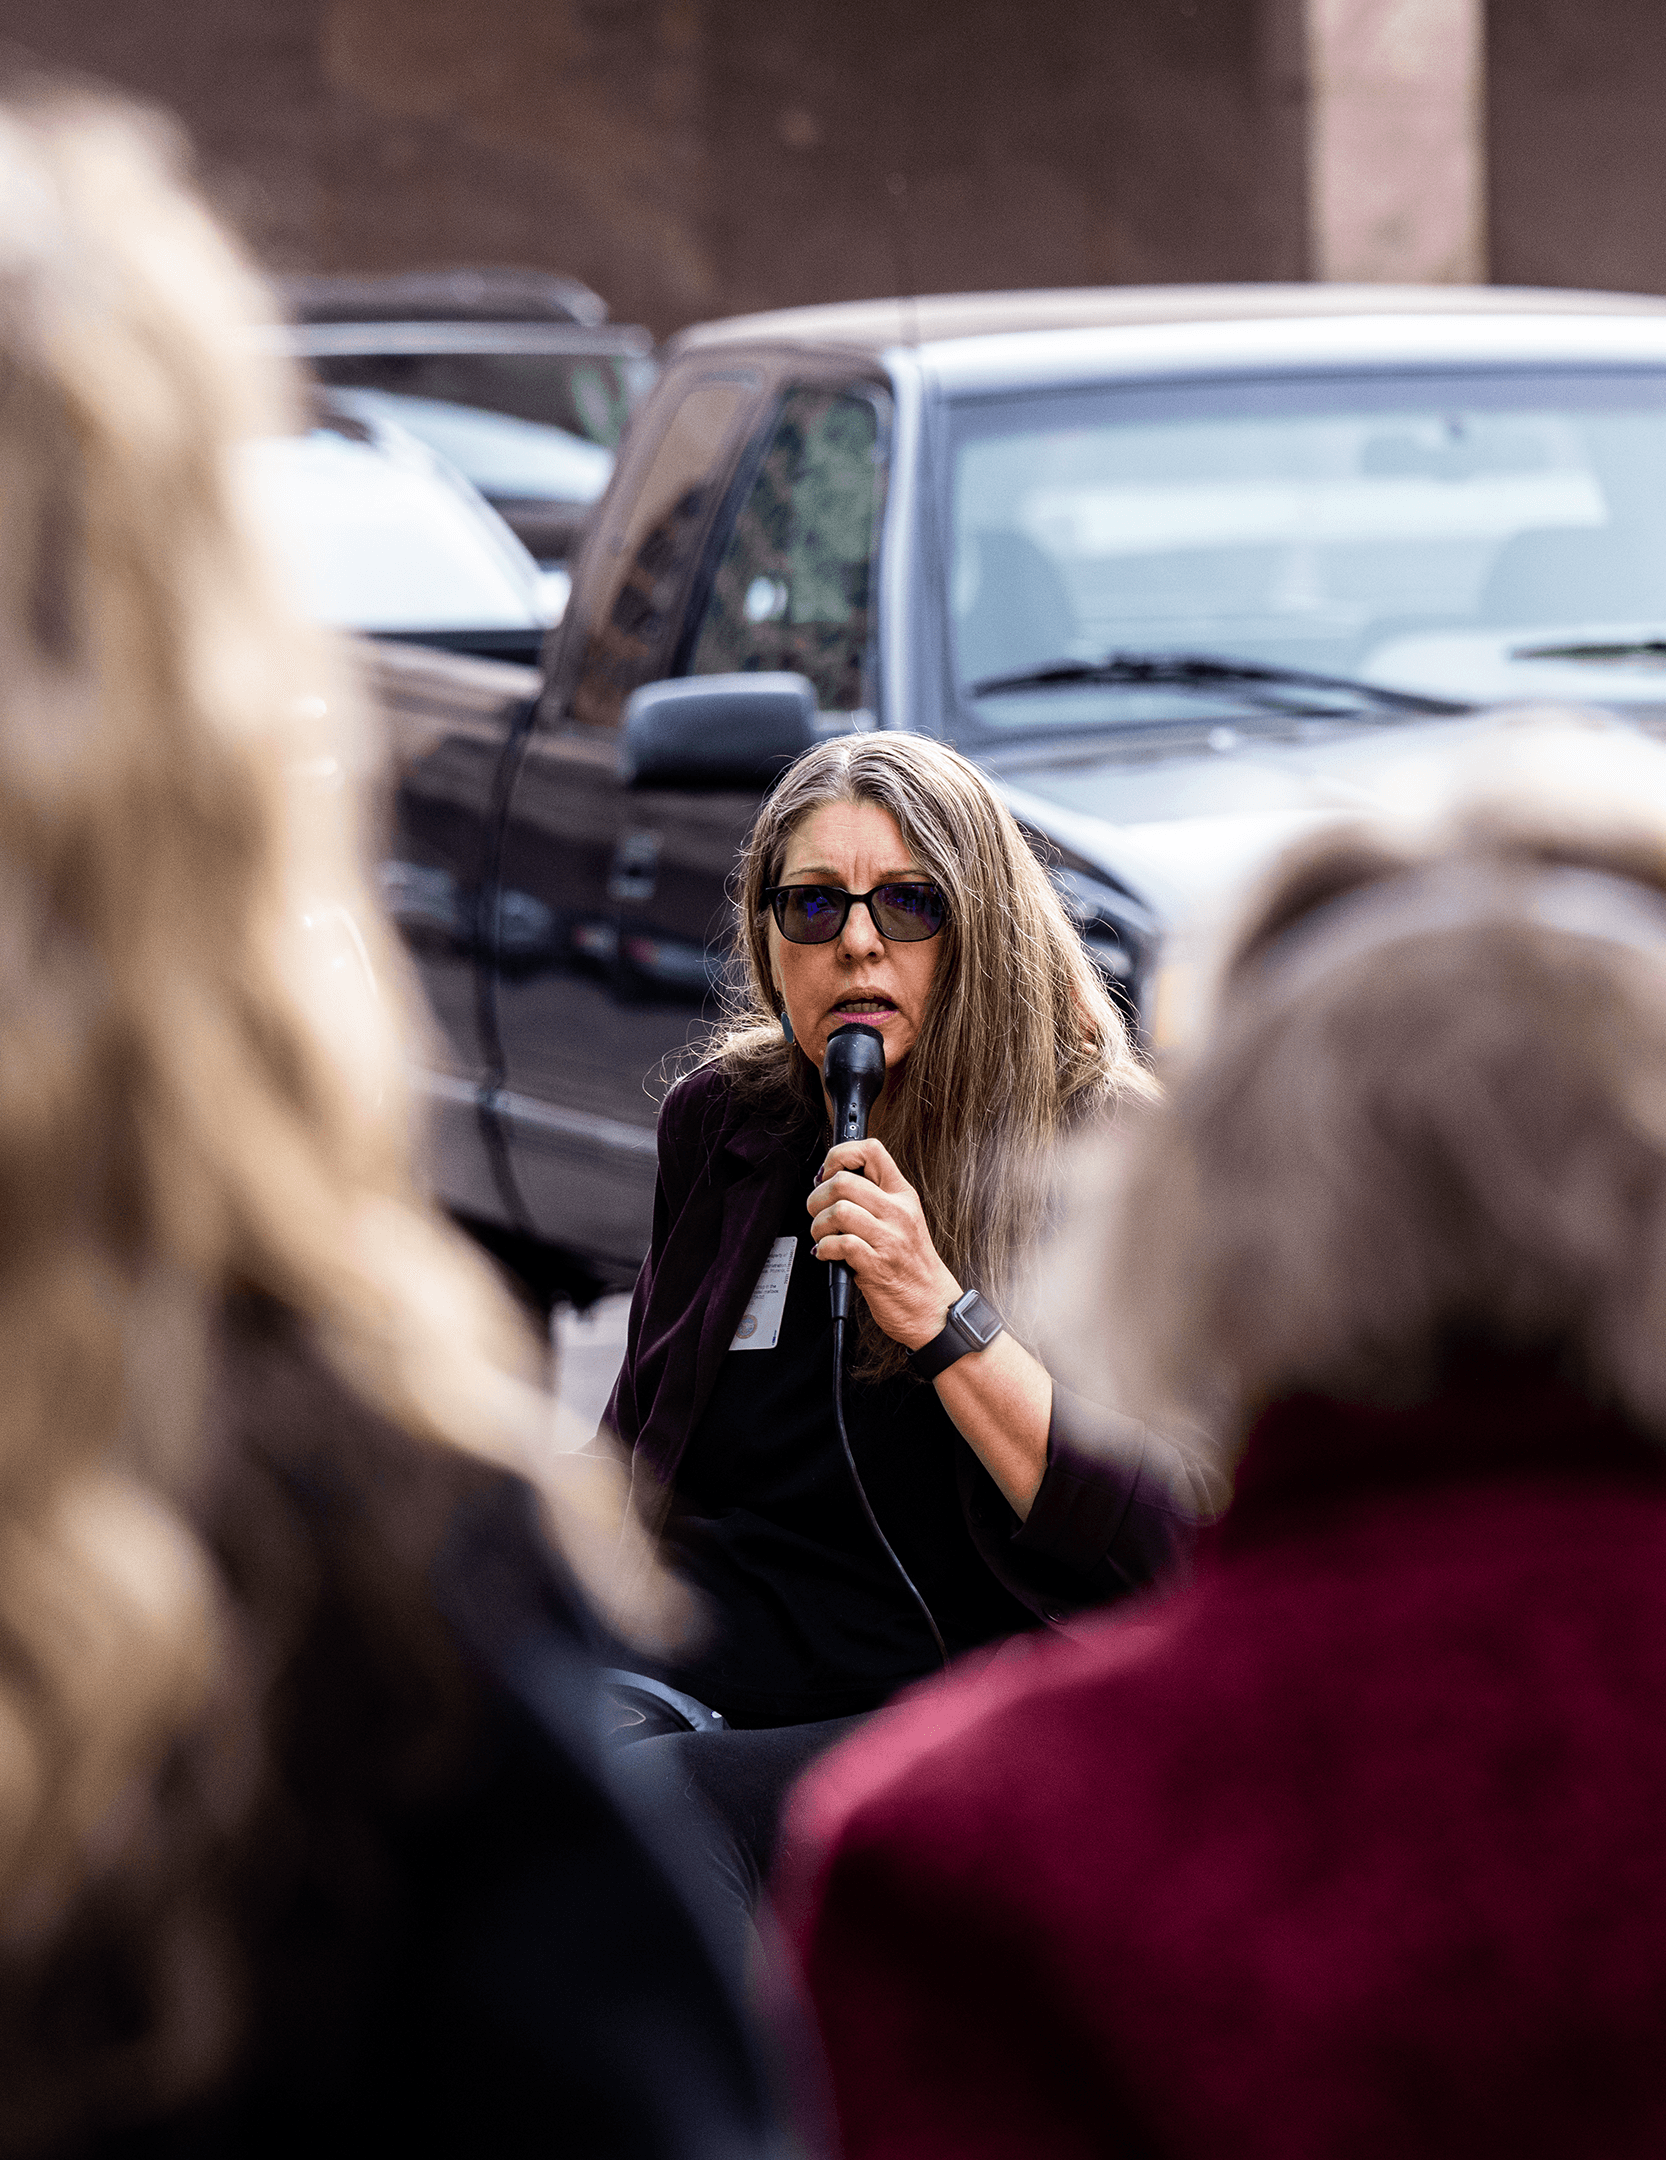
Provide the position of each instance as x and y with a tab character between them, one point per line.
385	1898
1113	1510
808	1617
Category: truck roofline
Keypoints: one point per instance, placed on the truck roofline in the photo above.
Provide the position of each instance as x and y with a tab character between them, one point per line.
874	326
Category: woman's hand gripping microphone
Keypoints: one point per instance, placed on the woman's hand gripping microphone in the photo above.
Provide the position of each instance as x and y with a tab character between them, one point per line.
872	1225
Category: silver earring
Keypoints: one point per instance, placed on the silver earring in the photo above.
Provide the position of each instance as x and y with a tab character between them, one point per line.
787	1035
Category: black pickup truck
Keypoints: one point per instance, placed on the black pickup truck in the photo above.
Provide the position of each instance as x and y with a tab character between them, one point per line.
1187	569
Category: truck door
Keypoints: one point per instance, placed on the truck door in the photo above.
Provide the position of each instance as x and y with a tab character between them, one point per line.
627	977
448	719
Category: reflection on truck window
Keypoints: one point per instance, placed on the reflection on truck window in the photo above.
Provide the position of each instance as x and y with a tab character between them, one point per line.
588	395
794	587
645	562
1333	524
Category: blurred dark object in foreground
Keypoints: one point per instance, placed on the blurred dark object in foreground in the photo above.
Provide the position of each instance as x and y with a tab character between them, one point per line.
1351	1848
412	1912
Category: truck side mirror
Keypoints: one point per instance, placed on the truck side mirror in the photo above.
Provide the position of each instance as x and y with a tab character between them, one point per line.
717	730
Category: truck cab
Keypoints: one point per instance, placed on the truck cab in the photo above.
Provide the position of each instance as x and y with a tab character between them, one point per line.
1186	570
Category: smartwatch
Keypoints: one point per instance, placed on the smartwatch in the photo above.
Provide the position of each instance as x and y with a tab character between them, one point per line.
973	1324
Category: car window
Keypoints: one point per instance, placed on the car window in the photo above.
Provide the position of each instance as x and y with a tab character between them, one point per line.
631	602
794	587
500	454
1338	524
376	538
588	395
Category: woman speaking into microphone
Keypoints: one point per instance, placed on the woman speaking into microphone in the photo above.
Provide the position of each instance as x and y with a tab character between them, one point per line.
884	886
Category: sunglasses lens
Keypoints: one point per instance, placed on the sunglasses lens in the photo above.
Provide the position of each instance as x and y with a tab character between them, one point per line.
809	914
815	914
909	913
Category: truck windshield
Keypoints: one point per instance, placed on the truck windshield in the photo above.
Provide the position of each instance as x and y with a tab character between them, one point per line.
1414	529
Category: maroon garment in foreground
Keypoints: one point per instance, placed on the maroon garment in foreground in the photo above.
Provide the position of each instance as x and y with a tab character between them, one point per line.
1354	1845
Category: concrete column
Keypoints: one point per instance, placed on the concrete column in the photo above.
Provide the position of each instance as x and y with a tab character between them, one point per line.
1396	146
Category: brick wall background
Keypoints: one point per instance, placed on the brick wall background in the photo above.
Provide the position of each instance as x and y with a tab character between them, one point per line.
694	157
1577	142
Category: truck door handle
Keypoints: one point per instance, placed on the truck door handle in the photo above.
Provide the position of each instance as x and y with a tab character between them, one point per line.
635	869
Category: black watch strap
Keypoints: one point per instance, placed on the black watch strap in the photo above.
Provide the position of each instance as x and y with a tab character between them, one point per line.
973	1324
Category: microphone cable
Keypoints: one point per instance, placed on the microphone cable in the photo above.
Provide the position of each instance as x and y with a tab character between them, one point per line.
853	1074
886	1546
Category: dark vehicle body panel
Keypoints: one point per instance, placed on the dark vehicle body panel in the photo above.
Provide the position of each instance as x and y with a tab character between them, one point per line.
446	720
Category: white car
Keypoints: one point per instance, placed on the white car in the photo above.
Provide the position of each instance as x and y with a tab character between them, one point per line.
381	535
383	539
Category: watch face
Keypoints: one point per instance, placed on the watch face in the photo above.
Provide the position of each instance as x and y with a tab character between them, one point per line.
977	1318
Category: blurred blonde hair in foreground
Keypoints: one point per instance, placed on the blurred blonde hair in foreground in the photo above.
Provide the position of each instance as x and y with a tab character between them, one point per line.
196	1095
1423	1114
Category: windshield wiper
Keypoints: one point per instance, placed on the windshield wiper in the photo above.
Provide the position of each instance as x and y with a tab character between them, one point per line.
1645	648
1210	671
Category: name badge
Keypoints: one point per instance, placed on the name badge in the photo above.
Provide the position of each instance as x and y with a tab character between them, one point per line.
760	1324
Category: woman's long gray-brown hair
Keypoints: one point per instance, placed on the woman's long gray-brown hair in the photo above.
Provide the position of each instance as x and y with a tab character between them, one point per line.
1018	1044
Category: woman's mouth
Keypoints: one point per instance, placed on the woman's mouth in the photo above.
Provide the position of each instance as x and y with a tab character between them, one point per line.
872	1009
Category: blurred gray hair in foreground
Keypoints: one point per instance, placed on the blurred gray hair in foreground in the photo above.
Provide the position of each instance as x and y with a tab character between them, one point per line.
1422	1113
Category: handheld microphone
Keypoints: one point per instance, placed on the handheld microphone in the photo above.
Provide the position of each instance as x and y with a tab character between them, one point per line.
853	1072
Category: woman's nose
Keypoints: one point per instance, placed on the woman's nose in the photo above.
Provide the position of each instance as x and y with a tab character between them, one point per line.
861	933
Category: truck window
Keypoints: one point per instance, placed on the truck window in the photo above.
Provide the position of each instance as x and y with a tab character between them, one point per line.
632	612
794	588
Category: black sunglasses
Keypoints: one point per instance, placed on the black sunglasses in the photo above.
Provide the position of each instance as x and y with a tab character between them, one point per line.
816	914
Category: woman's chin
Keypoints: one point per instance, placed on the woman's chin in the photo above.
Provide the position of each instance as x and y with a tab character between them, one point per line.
893	1030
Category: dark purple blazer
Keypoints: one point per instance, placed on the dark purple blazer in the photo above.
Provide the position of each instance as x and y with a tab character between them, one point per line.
1109	1515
